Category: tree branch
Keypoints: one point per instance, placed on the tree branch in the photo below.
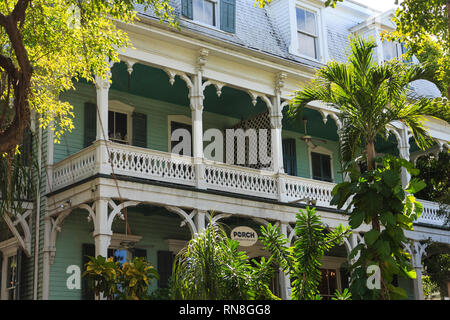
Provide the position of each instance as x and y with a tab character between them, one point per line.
18	13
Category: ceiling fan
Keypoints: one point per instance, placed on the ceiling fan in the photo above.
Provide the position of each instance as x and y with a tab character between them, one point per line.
310	140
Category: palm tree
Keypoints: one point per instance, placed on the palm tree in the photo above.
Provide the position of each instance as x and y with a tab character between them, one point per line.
370	96
211	267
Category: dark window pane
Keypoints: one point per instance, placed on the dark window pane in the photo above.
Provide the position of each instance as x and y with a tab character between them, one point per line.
316	166
110	124
332	281
326	168
321	166
121	126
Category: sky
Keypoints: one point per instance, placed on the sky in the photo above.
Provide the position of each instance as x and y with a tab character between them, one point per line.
381	5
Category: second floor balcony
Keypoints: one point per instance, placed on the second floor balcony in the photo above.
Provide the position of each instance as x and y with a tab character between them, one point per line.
129	130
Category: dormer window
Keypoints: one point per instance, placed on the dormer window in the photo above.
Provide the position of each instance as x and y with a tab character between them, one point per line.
393	50
307	33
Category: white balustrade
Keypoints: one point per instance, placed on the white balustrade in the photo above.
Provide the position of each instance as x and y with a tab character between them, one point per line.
302	188
167	167
75	168
430	213
150	164
236	179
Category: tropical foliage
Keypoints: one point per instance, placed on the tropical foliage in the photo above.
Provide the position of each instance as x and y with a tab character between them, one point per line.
115	281
17	183
377	195
424	27
212	268
302	261
369	97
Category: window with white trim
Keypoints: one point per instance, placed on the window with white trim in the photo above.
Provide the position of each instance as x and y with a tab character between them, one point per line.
328	284
307	33
120	122
321	167
393	50
118	127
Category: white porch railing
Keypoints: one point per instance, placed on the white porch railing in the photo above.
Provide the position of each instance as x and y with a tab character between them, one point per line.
167	167
151	164
429	213
74	168
301	188
224	177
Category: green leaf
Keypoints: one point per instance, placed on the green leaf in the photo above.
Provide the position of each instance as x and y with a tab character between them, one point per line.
371	236
415	185
356	218
387	218
390	177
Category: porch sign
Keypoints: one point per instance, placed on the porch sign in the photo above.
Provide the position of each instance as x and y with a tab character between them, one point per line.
245	236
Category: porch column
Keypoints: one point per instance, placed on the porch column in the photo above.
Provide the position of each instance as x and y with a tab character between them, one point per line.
102	85
283	278
200	220
276	117
417	252
102	233
196	99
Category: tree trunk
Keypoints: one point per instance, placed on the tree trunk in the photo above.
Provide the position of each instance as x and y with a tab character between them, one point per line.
12	134
370	154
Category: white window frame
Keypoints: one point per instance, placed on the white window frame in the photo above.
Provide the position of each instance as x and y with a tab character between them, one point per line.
120	107
334	263
217	13
321	44
175	118
8	248
325	151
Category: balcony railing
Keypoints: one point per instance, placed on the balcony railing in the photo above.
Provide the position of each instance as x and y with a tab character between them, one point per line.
167	167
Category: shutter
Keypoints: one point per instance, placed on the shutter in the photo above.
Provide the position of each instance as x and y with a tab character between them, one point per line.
165	263
289	157
228	15
140	130
186	9
90	123
87	250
